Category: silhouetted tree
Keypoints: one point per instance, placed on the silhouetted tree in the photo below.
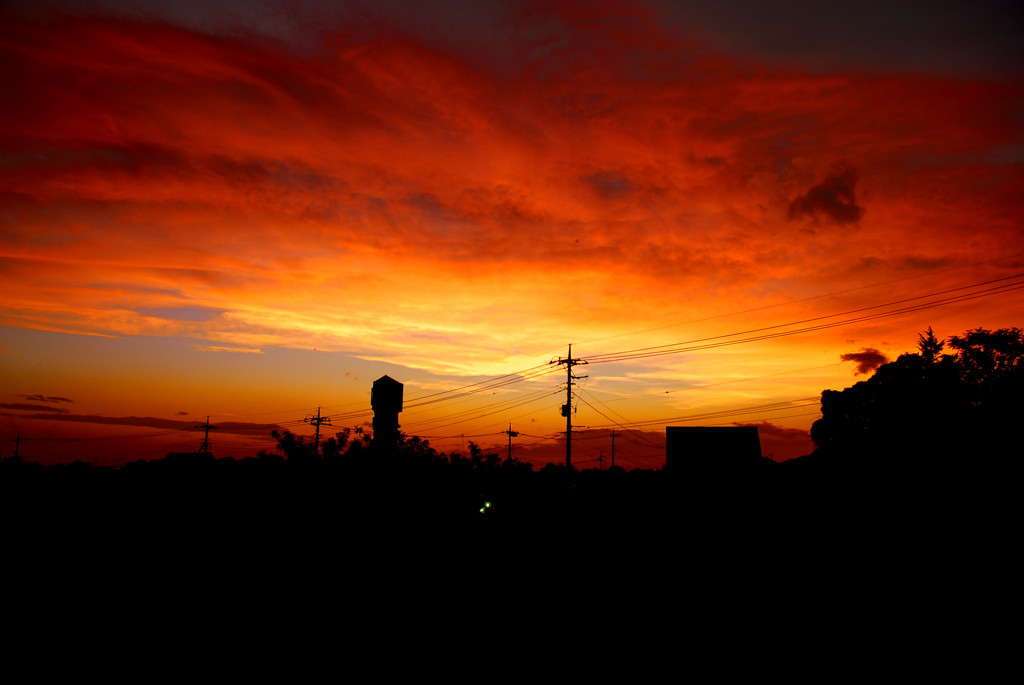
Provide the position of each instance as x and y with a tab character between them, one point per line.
929	409
334	447
989	357
294	447
514	465
930	346
415	448
991	366
269	459
481	460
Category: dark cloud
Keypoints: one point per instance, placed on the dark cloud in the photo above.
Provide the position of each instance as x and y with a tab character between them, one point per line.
182	413
867	360
609	184
124	161
270	175
975	38
782	443
928	264
43	398
235	427
833	199
32	407
428	203
964	38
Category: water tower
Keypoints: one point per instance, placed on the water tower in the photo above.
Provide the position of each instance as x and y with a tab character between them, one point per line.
386	402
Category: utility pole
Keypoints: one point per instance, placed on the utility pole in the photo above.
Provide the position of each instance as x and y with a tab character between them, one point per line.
567	407
511	434
316	421
205	447
613	448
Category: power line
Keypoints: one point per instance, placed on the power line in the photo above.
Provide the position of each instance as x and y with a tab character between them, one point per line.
750	335
715	385
624	427
692	345
725	413
544	394
807	299
478	387
763	333
722	340
470	399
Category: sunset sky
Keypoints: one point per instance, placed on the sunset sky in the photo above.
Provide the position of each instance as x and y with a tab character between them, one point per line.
248	210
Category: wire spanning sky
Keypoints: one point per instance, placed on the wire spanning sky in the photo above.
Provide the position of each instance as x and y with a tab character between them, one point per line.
246	210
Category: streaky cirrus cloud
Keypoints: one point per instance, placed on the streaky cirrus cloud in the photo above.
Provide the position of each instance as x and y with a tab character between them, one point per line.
44	398
223	348
24	406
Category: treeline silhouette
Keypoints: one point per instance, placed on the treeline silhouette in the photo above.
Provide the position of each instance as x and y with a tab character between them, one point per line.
926	438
